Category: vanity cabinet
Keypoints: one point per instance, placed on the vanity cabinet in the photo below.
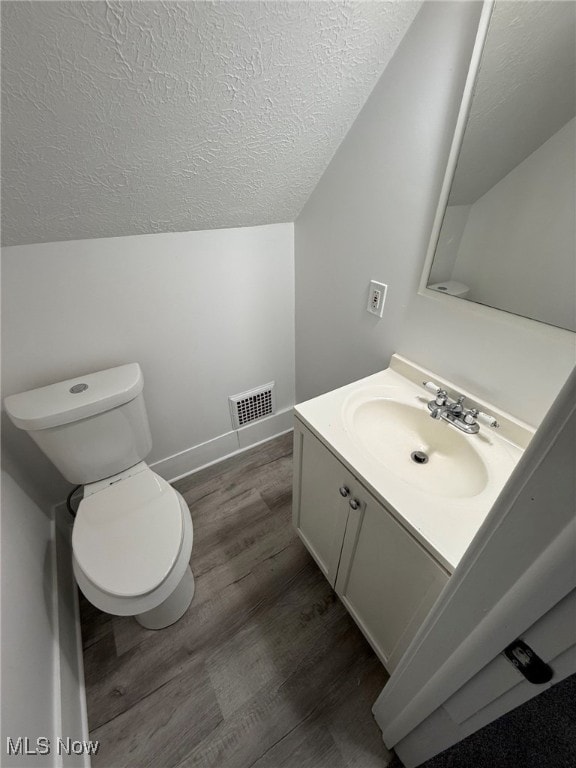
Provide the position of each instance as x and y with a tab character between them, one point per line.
384	577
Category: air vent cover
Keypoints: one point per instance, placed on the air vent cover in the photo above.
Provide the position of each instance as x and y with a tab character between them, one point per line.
252	405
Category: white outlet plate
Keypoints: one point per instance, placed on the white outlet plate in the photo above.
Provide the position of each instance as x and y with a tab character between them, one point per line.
376	298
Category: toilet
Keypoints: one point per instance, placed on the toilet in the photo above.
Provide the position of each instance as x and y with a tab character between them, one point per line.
132	534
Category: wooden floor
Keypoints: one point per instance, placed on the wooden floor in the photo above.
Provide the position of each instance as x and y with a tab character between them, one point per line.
265	669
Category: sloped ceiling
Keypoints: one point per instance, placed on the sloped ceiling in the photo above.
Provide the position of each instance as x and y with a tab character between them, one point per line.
126	118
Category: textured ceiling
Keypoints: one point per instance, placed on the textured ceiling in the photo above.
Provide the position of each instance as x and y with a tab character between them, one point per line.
525	92
122	118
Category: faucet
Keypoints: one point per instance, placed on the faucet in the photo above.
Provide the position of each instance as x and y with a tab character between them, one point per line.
453	411
441	405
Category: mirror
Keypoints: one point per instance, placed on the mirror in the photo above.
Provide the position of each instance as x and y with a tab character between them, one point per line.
505	233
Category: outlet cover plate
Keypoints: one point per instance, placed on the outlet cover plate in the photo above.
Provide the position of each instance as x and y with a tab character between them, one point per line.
376	298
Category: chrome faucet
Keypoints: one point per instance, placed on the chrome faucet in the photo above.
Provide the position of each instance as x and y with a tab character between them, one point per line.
453	411
441	405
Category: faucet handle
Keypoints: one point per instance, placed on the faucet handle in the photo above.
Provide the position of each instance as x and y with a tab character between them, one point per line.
441	397
441	394
470	416
489	421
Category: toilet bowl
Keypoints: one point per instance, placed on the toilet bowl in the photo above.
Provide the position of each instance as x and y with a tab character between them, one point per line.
132	534
131	544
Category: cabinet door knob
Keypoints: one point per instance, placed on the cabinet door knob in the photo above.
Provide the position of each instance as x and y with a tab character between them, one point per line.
354	503
344	491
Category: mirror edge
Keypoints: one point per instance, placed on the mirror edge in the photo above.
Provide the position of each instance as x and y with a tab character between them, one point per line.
465	106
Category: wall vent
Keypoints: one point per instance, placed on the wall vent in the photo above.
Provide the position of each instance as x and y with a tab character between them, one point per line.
252	405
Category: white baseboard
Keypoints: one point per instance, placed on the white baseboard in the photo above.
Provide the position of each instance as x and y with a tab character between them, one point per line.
180	464
199	456
70	693
266	429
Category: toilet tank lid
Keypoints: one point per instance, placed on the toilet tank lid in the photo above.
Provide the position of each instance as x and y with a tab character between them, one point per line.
76	398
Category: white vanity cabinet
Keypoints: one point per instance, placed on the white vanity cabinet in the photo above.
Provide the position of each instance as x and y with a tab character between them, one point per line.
385	578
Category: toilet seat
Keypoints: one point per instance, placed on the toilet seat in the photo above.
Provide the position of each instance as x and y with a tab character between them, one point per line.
132	606
128	536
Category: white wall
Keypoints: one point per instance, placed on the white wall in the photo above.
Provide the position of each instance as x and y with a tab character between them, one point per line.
453	226
42	693
207	314
371	217
28	670
519	244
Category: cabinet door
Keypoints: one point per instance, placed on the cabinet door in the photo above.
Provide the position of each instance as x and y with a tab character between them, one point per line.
319	510
386	579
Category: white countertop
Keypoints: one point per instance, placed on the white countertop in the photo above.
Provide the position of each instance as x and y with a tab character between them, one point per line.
444	524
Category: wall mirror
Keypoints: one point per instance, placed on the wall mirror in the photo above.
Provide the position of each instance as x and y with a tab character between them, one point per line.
505	231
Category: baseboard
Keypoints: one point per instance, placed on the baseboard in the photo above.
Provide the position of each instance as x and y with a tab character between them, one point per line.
70	693
222	447
180	464
266	429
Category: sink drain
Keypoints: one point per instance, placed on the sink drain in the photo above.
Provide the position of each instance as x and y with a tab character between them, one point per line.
419	457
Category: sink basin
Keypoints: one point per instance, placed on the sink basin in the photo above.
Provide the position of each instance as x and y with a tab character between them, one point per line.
430	455
375	426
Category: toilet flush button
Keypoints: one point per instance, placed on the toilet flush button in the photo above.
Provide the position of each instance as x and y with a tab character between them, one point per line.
78	388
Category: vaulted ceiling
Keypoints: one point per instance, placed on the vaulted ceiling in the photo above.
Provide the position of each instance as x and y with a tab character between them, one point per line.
124	118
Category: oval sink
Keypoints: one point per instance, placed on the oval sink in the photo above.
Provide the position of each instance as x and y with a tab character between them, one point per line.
430	455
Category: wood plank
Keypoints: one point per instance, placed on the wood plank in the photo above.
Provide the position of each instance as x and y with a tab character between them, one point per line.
160	729
304	747
274	641
95	623
291	702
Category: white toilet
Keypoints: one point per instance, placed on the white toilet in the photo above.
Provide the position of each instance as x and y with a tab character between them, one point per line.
132	535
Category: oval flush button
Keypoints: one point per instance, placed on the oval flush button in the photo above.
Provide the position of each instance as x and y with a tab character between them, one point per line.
78	388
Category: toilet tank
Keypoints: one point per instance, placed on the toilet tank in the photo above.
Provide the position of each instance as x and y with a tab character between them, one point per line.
90	427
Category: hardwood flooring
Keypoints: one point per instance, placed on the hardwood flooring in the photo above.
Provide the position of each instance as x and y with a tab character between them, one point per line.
266	669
